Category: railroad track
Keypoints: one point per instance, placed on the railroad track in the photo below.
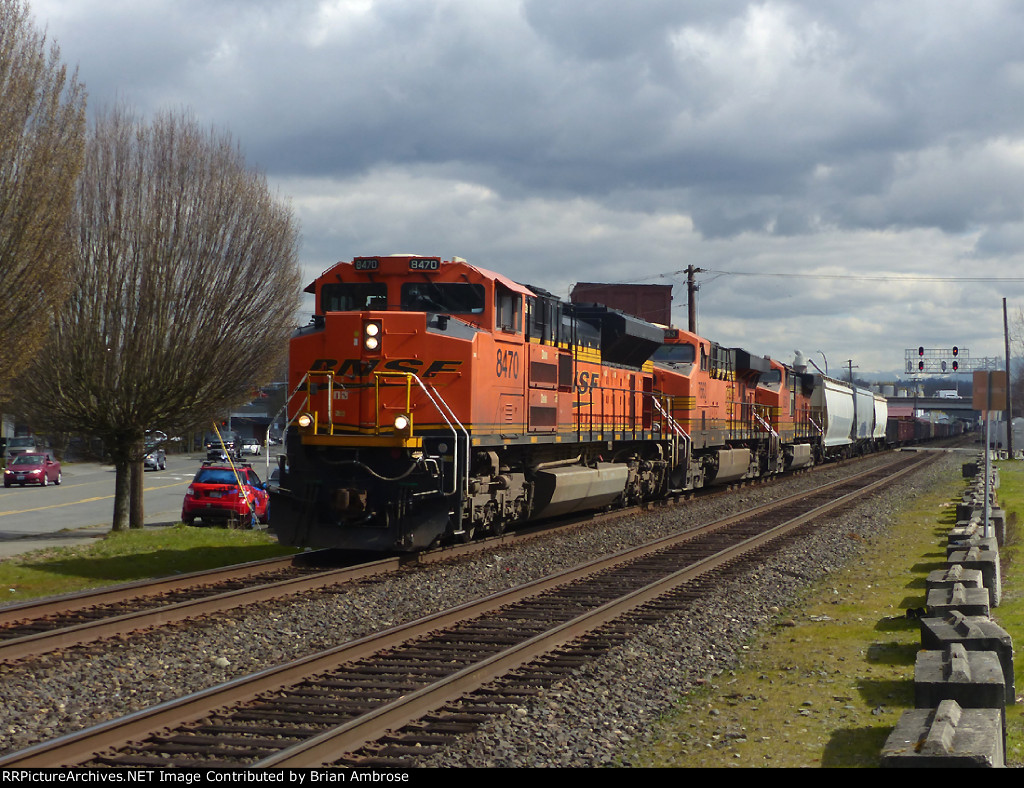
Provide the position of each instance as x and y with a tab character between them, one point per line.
424	680
41	626
38	627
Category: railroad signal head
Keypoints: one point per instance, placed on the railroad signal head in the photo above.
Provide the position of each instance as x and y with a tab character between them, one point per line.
956	350
920	350
920	366
956	365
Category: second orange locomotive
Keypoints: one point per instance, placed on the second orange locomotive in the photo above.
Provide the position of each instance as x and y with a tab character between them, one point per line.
434	400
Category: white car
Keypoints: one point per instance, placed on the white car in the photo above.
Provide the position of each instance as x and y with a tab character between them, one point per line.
252	446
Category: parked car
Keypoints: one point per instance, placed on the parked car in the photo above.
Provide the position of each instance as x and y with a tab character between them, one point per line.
156	458
32	468
215	496
29	443
229	445
252	446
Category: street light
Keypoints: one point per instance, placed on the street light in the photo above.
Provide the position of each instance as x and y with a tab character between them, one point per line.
824	359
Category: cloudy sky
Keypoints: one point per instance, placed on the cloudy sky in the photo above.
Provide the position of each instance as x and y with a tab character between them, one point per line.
849	175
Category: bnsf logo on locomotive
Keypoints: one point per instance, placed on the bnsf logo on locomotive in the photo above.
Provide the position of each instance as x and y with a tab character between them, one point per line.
357	368
431	264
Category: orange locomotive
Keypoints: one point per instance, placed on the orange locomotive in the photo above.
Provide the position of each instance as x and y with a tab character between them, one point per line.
434	400
743	416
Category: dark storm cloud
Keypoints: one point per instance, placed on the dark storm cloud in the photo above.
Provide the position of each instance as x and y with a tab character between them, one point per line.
750	116
562	140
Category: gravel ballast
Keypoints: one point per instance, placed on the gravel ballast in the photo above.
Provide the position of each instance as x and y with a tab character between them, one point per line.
585	720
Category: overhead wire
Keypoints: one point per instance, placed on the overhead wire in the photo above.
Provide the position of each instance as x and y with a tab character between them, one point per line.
855	277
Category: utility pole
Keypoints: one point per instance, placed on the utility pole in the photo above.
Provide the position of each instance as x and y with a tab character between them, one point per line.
691	297
1009	387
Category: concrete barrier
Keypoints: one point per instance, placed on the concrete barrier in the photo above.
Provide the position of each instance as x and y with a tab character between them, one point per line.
944	737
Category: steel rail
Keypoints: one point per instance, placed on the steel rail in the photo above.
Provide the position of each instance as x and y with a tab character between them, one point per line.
335	743
81	600
79	747
161	615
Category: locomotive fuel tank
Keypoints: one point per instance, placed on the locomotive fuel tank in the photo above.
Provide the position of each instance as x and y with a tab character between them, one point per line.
575	488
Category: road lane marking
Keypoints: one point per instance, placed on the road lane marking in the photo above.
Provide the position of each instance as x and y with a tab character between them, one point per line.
81	500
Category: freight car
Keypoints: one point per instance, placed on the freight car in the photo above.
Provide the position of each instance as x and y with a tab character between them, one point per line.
852	419
906	429
434	400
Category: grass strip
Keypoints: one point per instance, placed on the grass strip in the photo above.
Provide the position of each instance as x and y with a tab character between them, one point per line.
126	556
827	684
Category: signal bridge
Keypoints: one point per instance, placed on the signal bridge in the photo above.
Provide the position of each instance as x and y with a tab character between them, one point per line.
939	361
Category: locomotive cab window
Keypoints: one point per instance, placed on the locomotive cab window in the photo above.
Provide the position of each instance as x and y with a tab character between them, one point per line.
451	298
353	296
508	310
771	379
675	354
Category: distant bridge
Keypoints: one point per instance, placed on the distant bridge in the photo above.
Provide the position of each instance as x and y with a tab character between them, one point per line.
962	405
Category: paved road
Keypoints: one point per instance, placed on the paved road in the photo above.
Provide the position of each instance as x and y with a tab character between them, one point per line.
82	506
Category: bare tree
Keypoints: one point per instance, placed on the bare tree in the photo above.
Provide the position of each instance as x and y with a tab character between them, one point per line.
42	130
184	295
1016	362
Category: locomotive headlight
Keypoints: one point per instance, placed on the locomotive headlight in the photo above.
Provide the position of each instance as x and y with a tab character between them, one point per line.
402	422
305	420
372	330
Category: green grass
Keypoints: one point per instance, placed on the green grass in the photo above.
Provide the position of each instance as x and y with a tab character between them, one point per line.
834	674
131	555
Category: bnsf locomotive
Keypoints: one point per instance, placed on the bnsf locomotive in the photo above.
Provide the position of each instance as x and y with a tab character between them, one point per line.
434	400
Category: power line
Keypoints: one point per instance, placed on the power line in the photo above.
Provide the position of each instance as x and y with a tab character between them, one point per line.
880	277
852	277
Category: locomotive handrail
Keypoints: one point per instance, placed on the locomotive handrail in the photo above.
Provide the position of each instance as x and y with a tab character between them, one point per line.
461	469
284	408
329	374
672	423
465	432
288	401
766	425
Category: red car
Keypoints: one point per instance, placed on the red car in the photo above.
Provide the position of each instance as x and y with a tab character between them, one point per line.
32	468
215	495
